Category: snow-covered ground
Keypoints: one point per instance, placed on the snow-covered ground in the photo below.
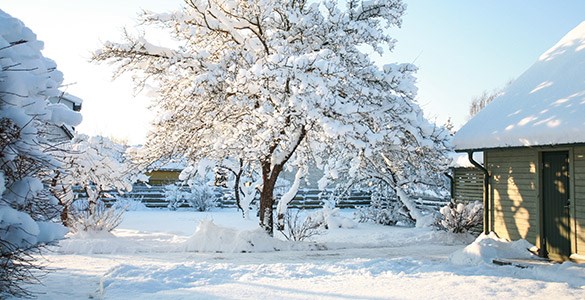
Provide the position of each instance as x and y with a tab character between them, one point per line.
152	256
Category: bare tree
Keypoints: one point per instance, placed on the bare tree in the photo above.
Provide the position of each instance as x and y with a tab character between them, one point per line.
478	103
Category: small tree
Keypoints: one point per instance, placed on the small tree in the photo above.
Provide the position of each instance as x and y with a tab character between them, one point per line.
97	165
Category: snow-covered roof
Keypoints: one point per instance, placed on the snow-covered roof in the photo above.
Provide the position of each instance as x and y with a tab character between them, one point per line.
461	160
72	98
72	102
544	106
67	97
164	165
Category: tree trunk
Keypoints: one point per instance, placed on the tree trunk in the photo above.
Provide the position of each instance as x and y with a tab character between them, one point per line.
61	198
65	216
269	176
237	191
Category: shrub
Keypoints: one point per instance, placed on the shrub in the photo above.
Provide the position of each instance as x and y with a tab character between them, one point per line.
18	267
202	197
459	217
298	228
385	211
199	196
95	217
175	196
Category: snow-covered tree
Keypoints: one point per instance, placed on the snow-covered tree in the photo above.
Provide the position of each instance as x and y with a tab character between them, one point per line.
410	161
96	165
27	163
277	82
417	167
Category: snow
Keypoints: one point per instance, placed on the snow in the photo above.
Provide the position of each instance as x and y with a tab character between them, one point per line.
27	82
210	237
461	160
486	248
291	193
146	258
61	115
544	106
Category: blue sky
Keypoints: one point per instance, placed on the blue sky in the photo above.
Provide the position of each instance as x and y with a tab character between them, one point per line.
462	48
466	47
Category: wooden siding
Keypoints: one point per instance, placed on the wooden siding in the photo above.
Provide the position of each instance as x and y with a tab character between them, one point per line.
514	193
579	198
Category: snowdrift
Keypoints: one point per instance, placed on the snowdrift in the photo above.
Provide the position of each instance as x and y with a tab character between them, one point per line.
486	248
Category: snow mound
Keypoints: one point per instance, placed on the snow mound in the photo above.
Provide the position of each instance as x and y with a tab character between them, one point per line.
148	280
210	237
96	242
49	232
333	219
129	204
486	248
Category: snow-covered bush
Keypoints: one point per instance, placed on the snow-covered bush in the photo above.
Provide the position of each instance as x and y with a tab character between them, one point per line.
175	196
95	217
97	165
28	168
299	227
198	195
459	217
202	197
384	210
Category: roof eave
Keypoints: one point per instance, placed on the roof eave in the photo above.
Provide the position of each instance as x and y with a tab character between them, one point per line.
467	150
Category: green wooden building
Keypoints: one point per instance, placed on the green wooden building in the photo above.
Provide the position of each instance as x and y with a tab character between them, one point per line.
533	143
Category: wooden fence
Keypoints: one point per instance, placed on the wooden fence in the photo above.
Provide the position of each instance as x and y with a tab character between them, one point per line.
154	197
467	185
